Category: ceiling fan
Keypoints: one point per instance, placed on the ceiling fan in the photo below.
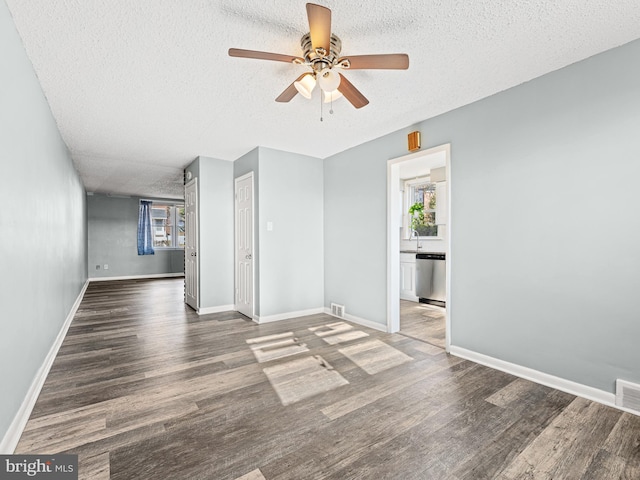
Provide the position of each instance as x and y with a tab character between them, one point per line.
322	55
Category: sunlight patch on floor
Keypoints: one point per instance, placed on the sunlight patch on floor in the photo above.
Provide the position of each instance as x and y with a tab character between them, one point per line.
303	378
374	356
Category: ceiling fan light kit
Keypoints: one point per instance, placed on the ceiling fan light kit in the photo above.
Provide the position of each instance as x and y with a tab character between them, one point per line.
328	80
331	96
321	53
306	85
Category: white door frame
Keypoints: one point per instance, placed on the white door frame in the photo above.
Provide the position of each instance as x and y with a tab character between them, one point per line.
393	239
253	243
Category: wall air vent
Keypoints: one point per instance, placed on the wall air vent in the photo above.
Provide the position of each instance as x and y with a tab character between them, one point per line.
337	310
628	395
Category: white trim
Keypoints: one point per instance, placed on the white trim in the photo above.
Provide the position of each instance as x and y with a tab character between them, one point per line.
449	262
393	249
219	309
12	437
136	277
568	386
410	298
360	321
288	315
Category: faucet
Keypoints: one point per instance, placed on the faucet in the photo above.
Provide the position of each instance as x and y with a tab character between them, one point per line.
418	246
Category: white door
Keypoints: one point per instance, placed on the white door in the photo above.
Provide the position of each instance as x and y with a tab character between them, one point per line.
191	244
244	245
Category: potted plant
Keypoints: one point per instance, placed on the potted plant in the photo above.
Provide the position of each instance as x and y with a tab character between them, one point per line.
419	224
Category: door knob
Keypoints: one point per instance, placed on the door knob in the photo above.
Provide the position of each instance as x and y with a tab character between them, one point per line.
248	257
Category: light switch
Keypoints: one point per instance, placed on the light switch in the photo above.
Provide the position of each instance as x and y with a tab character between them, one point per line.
269	226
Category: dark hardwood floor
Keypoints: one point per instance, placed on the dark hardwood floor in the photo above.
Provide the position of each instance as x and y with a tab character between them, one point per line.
143	388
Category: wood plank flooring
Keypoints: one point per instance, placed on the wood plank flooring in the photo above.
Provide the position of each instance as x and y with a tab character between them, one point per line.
423	322
143	388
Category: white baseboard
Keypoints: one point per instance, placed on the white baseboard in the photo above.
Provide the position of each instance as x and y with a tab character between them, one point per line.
410	298
360	321
136	277
288	315
219	309
568	386
12	437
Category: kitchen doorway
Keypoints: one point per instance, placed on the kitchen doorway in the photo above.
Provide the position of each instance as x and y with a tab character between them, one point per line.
405	314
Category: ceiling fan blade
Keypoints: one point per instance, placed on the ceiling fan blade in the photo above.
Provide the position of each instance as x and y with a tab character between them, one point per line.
277	57
319	26
392	61
290	92
351	93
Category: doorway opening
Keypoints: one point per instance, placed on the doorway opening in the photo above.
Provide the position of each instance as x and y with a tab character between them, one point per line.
407	312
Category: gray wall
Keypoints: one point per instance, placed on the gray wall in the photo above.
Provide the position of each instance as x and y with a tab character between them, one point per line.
291	255
44	258
288	260
113	240
544	233
215	204
215	218
355	230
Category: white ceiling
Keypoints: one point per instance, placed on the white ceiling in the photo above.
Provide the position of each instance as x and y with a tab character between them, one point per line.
139	88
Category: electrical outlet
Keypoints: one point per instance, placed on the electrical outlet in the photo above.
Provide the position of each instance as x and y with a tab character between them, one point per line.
106	267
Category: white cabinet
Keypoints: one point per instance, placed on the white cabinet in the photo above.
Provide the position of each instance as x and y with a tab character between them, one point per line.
408	276
441	203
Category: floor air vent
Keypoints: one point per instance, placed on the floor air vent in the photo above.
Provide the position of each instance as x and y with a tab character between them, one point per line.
337	310
628	395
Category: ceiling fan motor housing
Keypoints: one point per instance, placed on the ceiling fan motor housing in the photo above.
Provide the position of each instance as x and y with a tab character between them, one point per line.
318	58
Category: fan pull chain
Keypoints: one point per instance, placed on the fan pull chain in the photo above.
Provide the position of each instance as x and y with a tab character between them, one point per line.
321	119
331	108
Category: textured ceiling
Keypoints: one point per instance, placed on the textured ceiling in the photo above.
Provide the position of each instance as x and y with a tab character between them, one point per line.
140	88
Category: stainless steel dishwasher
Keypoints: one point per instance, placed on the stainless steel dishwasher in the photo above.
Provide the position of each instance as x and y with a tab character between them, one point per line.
431	278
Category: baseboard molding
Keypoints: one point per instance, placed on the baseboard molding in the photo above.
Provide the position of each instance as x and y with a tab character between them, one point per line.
288	315
360	321
12	437
568	386
136	277
410	298
219	309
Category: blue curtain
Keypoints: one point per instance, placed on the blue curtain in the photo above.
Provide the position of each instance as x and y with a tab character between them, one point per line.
145	233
